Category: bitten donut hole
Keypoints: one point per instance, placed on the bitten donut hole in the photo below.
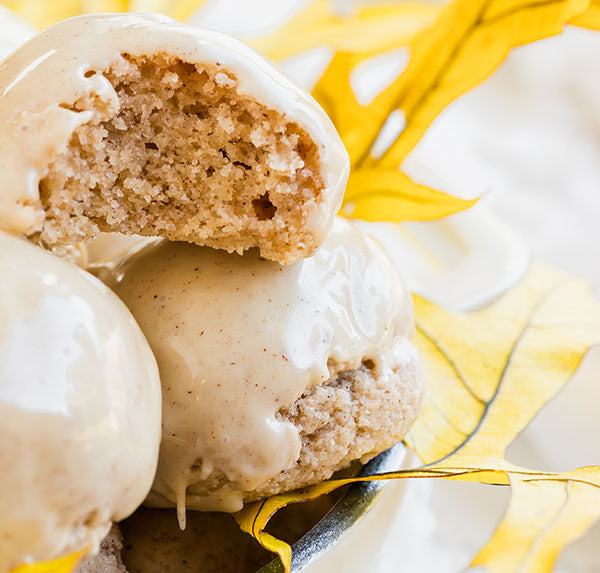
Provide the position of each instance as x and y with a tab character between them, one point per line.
185	157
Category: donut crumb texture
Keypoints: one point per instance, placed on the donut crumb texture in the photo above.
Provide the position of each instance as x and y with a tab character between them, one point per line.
185	157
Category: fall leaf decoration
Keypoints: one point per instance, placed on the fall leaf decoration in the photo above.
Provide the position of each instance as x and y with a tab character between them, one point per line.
489	372
465	45
467	42
390	195
369	30
544	325
44	13
545	514
590	18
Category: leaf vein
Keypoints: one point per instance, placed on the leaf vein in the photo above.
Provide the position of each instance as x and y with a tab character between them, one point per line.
451	362
508	362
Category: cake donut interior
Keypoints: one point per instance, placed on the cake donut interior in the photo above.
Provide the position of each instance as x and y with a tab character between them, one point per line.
134	123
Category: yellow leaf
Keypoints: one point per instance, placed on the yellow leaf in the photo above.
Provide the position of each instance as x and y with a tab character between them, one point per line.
489	372
41	13
44	13
542	518
528	344
590	18
390	195
368	30
254	517
336	96
540	522
94	6
468	41
64	564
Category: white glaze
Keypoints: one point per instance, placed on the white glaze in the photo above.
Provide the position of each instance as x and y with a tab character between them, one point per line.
79	407
49	70
237	338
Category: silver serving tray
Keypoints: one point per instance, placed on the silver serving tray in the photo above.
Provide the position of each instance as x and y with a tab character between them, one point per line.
348	510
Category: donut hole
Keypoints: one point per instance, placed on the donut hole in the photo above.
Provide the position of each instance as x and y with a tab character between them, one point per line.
186	157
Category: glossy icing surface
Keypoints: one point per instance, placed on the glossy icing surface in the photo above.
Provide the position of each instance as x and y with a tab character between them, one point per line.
237	338
40	80
80	407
